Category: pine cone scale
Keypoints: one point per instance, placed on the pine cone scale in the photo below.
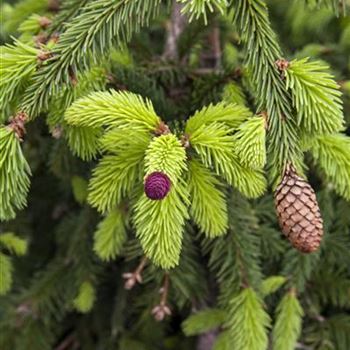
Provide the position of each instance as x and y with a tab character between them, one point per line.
298	212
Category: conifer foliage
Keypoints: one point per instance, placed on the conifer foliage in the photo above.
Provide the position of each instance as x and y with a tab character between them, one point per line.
143	144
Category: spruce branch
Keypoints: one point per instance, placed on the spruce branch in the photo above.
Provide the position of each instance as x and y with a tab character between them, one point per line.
230	114
272	284
159	226
332	154
166	154
14	170
316	97
118	171
201	8
5	273
18	63
113	109
208	203
89	34
85	298
250	143
13	243
110	236
204	321
248	322
287	328
262	52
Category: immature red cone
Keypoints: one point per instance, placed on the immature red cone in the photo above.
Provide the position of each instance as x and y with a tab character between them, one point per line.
298	212
157	185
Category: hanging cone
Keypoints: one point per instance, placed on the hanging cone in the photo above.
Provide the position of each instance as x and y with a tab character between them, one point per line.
298	212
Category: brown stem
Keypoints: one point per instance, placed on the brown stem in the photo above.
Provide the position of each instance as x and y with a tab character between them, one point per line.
165	290
175	27
212	58
141	265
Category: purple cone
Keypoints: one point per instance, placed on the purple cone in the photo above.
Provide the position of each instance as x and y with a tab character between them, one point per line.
157	185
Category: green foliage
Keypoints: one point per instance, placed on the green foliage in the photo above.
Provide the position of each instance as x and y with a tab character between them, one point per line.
221	144
79	186
316	97
235	257
228	113
21	11
166	154
287	328
113	109
223	341
5	274
250	143
83	141
116	174
332	154
110	236
262	51
198	8
208	203
203	321
92	31
159	226
233	94
216	148
17	63
14	174
30	27
13	243
248	322
85	299
272	284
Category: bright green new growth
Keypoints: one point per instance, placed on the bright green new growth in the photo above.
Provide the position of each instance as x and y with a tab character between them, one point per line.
223	340
159	226
211	134
208	203
5	274
113	109
129	151
13	243
14	174
83	141
199	8
250	143
93	30
204	321
110	236
30	27
316	97
248	321
332	154
233	115
85	299
166	154
272	284
287	328
118	171
17	63
233	93
79	187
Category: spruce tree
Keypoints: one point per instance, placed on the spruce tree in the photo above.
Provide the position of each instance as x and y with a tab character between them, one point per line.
175	175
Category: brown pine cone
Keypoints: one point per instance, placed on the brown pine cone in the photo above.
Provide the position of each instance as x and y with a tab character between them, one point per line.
298	212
